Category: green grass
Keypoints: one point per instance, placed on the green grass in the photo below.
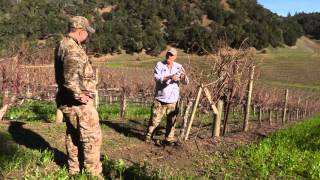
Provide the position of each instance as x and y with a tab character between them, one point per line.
296	67
294	152
19	162
15	158
133	111
32	110
290	153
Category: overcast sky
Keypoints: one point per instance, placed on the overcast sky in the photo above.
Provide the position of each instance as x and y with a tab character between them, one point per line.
283	7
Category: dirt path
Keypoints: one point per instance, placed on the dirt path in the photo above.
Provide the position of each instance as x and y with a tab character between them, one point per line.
188	155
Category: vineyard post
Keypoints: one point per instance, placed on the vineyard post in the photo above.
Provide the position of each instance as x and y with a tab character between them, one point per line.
110	99
254	110
285	106
305	109
270	116
277	115
193	112
260	115
123	103
217	114
249	95
294	114
217	122
28	94
297	110
5	104
185	119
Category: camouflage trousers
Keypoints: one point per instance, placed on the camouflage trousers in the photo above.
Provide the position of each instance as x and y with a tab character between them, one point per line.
158	110
83	139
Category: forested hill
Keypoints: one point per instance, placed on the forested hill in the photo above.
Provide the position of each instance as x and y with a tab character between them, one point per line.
310	23
134	25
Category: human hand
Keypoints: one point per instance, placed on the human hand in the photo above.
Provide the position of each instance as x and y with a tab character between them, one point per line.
175	77
84	99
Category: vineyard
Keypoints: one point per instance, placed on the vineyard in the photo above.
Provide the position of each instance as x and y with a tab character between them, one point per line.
225	106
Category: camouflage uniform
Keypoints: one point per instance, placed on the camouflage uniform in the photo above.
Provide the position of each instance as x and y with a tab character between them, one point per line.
158	110
75	78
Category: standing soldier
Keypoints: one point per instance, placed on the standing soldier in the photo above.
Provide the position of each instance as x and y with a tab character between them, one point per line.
168	76
76	89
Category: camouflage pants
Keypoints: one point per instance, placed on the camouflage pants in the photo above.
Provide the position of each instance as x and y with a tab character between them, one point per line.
158	110
83	139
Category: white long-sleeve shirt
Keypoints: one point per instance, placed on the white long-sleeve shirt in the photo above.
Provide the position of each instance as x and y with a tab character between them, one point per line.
168	91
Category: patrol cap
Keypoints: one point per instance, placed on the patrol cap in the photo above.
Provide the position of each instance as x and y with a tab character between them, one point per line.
81	22
172	51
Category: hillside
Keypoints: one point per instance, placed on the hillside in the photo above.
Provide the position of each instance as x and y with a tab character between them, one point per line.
193	25
307	44
296	66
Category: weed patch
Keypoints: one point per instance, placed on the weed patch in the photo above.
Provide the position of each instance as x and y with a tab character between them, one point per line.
33	110
294	152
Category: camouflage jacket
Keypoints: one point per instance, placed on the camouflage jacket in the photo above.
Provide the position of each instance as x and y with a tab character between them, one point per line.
74	74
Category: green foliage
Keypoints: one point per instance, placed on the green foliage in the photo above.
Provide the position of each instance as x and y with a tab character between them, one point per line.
117	169
113	168
292	31
13	157
310	23
31	20
112	111
46	157
33	110
290	153
138	25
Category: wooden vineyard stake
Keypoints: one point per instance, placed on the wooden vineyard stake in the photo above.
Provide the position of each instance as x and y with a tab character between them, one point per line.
193	112
185	120
217	120
213	106
260	116
249	95
270	116
3	110
217	113
123	104
285	108
254	110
